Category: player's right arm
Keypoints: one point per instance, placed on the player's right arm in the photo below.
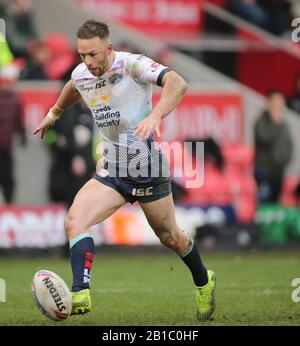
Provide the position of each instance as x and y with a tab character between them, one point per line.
68	96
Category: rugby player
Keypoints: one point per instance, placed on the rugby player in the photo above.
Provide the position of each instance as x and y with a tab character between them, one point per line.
117	87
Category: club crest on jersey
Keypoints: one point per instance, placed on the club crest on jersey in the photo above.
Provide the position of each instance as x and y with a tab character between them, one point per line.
115	78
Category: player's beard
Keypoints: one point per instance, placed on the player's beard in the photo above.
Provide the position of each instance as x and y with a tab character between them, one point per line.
100	69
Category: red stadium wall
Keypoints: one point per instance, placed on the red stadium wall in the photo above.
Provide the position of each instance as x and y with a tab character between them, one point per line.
269	68
158	17
206	114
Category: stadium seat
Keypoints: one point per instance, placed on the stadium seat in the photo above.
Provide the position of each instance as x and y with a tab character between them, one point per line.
243	189
238	155
215	190
288	197
61	55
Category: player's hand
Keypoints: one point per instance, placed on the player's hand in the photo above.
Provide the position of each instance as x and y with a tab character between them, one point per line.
144	128
47	122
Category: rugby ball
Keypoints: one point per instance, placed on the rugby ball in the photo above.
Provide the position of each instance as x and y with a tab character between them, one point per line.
51	295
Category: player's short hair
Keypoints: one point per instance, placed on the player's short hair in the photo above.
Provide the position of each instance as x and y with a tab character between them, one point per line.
91	28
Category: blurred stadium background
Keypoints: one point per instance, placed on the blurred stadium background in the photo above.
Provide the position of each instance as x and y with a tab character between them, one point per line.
231	53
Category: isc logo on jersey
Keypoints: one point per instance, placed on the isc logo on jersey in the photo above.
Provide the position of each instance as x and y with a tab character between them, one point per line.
51	295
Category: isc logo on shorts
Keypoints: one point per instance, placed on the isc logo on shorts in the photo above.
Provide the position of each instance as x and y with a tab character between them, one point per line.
142	191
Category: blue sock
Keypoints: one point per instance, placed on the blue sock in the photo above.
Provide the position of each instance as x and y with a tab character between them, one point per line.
192	259
82	256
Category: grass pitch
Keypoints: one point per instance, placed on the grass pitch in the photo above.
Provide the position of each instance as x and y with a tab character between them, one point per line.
144	289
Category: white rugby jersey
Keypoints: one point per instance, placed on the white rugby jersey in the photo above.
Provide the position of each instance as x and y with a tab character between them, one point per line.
119	99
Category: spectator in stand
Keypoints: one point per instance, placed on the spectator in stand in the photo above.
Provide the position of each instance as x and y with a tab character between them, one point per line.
279	15
6	56
2	8
34	68
10	124
294	102
249	10
71	141
297	193
273	148
20	28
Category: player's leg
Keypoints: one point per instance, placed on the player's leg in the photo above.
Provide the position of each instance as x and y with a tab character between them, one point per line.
93	203
161	217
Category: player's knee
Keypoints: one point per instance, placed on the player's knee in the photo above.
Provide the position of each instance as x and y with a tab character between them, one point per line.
169	239
72	225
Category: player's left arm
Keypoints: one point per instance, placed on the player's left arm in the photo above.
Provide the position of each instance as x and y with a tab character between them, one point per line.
68	96
173	90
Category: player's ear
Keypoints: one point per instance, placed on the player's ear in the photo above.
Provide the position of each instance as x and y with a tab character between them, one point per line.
110	47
